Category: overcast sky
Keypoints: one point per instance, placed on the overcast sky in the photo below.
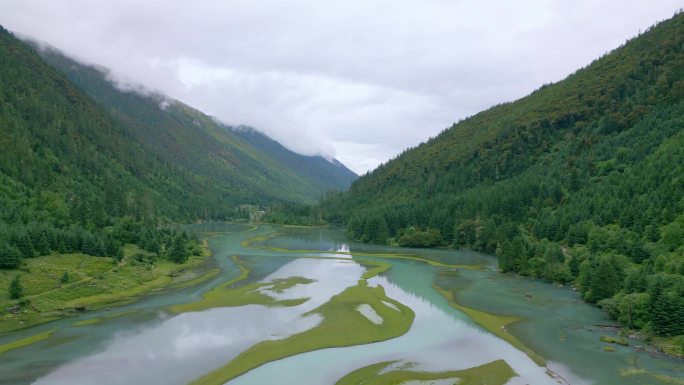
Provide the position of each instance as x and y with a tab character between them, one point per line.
359	80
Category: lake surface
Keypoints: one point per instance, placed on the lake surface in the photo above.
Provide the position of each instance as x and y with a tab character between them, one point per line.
145	343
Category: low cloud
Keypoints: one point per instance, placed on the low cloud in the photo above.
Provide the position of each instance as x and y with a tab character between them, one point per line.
356	80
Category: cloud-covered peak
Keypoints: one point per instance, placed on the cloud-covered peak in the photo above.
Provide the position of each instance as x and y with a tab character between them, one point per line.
354	80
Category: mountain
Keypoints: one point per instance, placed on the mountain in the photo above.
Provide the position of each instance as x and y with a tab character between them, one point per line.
84	164
258	169
329	175
582	181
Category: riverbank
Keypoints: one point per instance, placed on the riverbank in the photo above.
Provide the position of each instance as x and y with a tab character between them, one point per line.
64	285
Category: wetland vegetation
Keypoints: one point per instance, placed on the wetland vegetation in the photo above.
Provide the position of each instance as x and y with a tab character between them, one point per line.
293	297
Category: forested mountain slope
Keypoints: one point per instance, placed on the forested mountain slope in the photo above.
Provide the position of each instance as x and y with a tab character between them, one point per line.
582	180
326	173
86	167
257	168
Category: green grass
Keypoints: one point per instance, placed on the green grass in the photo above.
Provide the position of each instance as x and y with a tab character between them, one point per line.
86	322
95	282
225	295
611	340
342	325
668	379
494	323
494	373
25	341
198	278
672	346
250	294
378	267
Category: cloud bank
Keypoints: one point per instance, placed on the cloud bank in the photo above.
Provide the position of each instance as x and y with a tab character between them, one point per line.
356	80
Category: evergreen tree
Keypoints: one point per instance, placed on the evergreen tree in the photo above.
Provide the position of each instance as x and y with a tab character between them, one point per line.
604	279
382	232
9	256
505	256
25	246
16	291
667	315
43	245
178	252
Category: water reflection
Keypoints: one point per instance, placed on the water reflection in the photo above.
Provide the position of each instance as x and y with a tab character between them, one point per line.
155	348
437	341
184	347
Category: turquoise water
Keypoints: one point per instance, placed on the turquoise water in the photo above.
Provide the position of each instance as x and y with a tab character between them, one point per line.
153	346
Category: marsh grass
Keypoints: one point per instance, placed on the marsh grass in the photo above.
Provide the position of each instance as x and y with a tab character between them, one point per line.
342	325
494	323
25	341
493	373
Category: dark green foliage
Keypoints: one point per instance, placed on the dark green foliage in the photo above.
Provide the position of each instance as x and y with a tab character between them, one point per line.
178	252
582	180
292	214
15	289
633	310
43	245
413	237
25	246
665	307
600	278
9	256
65	278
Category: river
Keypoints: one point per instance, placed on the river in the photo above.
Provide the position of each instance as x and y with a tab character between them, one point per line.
146	343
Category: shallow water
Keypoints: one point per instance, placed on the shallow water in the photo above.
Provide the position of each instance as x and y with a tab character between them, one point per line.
152	346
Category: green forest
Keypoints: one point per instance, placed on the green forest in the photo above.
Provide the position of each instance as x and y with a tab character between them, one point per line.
87	167
581	182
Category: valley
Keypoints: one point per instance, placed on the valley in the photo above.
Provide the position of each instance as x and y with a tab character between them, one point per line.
315	292
145	241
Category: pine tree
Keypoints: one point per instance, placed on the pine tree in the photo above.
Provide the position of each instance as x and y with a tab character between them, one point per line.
178	252
43	245
505	256
16	291
9	256
382	232
25	246
604	280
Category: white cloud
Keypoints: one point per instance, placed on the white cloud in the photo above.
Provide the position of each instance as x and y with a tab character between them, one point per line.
354	79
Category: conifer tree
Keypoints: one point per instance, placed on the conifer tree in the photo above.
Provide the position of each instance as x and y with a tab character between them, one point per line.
9	256
16	291
178	252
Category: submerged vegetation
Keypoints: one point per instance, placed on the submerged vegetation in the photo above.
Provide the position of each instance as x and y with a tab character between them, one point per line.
493	323
250	294
383	373
25	341
342	325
